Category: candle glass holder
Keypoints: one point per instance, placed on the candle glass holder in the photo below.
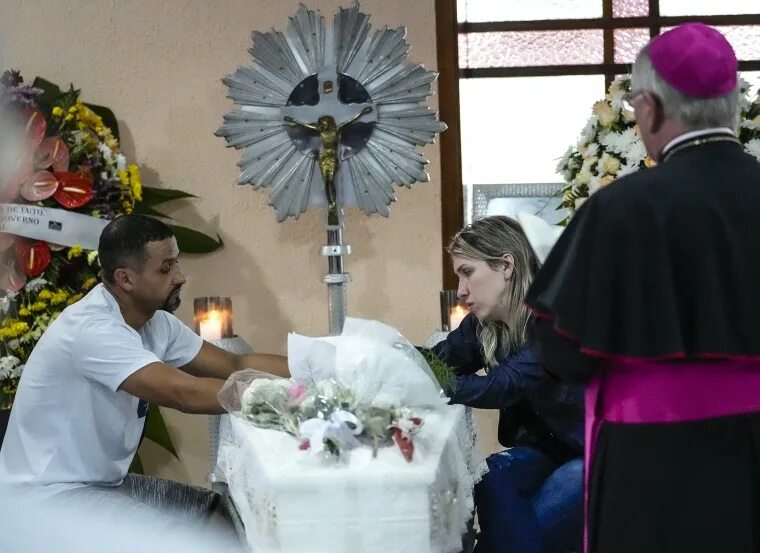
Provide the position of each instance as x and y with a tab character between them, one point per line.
449	300
213	317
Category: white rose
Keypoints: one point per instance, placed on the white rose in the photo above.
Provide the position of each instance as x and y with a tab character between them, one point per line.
604	113
608	165
628	116
584	177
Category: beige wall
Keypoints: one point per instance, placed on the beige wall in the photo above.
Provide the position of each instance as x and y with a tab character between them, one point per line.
158	65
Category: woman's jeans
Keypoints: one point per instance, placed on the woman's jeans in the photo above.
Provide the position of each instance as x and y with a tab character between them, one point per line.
528	503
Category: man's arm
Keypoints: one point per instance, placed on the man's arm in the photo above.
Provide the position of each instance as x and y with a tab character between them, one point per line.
168	386
214	362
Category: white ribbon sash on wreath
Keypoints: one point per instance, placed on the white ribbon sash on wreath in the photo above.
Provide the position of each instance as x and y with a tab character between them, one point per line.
58	226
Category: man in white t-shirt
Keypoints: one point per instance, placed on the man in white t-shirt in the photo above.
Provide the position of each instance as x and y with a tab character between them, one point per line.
81	404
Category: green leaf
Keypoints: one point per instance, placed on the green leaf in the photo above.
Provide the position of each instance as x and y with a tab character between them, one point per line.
154	196
156	431
108	117
192	241
50	93
136	467
147	210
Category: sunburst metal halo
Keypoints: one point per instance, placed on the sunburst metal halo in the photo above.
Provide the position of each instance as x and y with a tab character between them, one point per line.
309	71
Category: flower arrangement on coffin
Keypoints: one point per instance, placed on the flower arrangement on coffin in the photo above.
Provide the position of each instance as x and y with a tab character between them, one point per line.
610	145
368	387
70	163
327	416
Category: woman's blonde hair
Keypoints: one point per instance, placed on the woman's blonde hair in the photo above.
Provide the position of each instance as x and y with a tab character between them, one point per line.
489	240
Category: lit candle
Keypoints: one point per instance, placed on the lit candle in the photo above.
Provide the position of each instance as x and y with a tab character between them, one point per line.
456	315
211	326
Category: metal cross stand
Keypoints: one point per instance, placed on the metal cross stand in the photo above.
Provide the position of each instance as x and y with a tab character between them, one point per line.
331	117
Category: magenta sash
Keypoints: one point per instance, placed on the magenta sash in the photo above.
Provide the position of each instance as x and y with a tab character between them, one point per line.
638	391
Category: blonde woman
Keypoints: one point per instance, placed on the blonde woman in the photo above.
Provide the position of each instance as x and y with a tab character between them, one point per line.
531	500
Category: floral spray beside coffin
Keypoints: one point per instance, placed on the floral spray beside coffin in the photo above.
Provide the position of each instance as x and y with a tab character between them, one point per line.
368	387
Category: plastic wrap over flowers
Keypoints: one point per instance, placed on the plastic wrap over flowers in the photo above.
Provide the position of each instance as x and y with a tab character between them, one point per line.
367	387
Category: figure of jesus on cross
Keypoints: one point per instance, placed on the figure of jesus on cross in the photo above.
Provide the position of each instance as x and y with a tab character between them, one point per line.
329	132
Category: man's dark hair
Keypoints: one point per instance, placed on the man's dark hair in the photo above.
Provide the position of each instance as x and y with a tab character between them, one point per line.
123	241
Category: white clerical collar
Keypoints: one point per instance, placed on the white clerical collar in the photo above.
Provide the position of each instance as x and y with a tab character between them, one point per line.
694	134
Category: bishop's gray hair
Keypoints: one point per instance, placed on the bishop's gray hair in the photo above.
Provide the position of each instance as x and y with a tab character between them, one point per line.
692	113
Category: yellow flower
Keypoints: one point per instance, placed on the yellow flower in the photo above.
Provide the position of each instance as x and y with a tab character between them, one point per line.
59	297
124	178
20	328
134	182
606	180
127	206
75	298
69	117
649	162
45	294
57	112
23	312
89	283
92	256
5	333
74	251
38	306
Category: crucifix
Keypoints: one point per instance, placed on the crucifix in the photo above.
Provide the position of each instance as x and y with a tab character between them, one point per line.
329	133
327	118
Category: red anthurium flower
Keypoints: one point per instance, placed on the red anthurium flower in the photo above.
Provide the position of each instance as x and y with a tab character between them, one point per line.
32	257
73	190
404	444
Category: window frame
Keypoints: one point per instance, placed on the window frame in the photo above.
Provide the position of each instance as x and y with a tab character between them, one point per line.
448	29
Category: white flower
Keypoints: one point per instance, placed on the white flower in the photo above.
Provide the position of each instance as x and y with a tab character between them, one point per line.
606	113
753	148
620	142
16	373
591	150
264	390
579	202
106	152
588	133
594	185
616	98
564	161
636	152
584	177
121	162
92	256
327	388
627	169
608	165
35	285
8	365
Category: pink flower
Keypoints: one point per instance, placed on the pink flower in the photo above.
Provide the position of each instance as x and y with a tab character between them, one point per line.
297	391
304	445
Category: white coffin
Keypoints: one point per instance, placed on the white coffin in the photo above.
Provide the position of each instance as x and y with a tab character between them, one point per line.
292	502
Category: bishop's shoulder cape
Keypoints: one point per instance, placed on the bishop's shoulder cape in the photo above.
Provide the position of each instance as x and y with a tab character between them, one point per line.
663	263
